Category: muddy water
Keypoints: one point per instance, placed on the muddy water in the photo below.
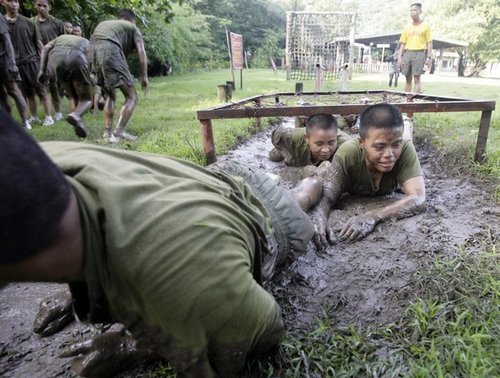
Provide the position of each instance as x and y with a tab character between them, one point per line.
366	282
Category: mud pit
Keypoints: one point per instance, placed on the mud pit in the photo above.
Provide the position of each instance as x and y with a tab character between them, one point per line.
367	282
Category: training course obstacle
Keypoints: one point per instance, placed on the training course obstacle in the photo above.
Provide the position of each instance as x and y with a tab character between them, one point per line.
342	103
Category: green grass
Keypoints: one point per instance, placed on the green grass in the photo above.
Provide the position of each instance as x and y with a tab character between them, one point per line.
451	331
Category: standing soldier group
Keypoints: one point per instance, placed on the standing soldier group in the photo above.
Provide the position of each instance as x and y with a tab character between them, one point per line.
45	55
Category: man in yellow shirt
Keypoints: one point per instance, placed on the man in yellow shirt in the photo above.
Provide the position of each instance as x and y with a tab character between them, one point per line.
415	53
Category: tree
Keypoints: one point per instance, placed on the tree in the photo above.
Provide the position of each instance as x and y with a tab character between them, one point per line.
251	19
90	12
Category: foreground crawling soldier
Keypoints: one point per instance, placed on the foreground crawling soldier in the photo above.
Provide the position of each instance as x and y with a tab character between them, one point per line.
180	265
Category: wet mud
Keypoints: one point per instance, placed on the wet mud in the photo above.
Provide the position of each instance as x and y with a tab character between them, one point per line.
370	281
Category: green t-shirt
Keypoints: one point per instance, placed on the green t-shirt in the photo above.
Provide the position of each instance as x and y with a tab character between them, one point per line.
169	252
357	178
24	35
70	41
294	141
50	28
120	32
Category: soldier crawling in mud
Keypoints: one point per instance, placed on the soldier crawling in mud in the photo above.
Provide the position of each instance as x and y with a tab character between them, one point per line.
378	163
181	266
310	145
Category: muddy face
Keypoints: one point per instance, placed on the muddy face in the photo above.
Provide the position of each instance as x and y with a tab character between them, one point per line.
382	148
322	144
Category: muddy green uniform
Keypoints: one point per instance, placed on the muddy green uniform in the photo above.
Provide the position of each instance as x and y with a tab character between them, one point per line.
174	252
6	61
294	144
25	35
50	28
67	59
111	43
357	178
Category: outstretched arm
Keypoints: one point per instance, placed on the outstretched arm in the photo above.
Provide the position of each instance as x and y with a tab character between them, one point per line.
143	62
413	203
333	187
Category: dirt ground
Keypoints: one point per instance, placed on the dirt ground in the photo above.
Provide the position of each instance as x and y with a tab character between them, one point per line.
367	282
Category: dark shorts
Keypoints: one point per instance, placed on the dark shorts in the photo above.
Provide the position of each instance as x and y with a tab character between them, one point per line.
29	79
413	62
291	228
109	65
68	65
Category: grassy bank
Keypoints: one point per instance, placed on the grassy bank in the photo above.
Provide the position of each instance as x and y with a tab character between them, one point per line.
453	330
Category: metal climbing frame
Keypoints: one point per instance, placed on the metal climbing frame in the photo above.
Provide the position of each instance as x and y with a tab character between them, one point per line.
342	103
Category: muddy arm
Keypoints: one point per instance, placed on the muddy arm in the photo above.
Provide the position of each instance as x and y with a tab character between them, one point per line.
333	187
413	203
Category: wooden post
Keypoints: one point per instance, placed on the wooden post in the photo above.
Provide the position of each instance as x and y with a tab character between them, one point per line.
258	120
317	87
224	92
482	136
207	136
299	87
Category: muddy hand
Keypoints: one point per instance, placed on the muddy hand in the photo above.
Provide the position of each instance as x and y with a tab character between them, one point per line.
321	235
357	227
105	355
54	314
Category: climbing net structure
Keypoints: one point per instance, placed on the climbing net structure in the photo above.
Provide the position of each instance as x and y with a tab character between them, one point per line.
318	41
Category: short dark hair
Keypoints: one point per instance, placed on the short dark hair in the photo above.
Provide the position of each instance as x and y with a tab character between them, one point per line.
126	14
321	122
418	5
34	194
380	116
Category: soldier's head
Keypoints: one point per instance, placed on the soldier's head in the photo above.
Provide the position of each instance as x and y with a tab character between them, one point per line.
381	136
321	136
42	8
126	14
35	195
415	11
68	27
77	30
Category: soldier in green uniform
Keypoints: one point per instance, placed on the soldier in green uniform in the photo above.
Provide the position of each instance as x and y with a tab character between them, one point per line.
181	265
309	145
9	74
50	28
64	60
28	45
376	164
111	43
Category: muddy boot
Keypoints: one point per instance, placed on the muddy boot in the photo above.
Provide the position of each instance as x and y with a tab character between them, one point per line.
122	134
110	137
77	123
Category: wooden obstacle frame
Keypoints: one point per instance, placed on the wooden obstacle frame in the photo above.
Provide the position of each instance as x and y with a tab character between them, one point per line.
309	103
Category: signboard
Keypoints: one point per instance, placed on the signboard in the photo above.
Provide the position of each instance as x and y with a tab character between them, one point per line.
236	51
384	45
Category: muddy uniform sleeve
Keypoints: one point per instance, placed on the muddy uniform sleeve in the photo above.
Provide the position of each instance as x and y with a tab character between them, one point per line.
408	165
